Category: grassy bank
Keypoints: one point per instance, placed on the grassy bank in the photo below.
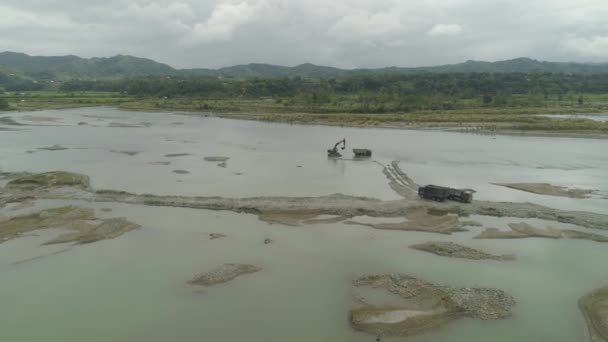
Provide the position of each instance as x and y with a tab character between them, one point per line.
40	100
469	115
466	114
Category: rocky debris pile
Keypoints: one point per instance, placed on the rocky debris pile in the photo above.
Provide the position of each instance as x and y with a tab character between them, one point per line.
108	229
297	209
122	125
129	153
49	180
223	274
524	230
214	236
419	306
419	219
78	221
216	159
220	160
173	155
454	250
293	217
49	218
593	306
53	148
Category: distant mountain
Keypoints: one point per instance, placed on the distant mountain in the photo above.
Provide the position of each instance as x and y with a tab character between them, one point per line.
73	67
522	65
267	70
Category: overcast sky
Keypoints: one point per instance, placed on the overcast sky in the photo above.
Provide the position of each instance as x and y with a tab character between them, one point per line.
342	33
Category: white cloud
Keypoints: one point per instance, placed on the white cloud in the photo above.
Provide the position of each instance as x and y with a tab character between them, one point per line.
445	30
347	33
365	25
592	47
15	18
225	19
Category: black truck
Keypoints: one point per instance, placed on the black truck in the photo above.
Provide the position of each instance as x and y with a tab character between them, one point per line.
442	193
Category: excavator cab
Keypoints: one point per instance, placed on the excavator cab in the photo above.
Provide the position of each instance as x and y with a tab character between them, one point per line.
333	153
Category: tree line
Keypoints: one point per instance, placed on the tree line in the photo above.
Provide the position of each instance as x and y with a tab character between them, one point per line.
452	85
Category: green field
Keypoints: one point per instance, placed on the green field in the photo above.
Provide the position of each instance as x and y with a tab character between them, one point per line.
464	114
39	100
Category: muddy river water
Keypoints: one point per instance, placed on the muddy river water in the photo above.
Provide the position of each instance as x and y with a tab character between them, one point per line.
134	288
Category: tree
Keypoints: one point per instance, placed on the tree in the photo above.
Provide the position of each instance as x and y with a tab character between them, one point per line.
487	99
4	104
581	101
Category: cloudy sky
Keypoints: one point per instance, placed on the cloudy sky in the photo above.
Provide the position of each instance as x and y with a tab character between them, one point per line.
343	33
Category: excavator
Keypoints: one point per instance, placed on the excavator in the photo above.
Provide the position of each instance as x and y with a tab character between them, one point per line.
333	153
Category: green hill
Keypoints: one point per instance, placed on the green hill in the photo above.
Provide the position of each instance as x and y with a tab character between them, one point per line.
42	68
73	67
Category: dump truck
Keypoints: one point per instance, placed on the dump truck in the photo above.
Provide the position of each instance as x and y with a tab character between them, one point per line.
442	193
362	152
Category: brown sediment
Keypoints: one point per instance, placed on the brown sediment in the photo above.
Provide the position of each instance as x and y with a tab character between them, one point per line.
420	220
48	180
75	219
13	175
520	230
108	229
495	233
214	236
454	250
38	257
419	306
129	153
122	125
524	230
173	155
223	274
548	189
23	205
472	224
49	218
329	220
531	231
293	217
53	148
216	158
576	234
39	118
594	307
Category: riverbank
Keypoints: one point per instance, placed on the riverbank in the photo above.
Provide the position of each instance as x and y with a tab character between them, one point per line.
512	121
473	118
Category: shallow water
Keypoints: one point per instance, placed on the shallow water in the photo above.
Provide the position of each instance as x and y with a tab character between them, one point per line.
133	288
595	117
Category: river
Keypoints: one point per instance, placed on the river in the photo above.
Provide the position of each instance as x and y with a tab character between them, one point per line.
134	288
